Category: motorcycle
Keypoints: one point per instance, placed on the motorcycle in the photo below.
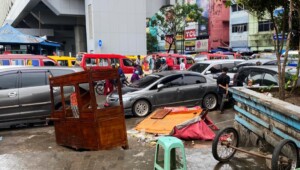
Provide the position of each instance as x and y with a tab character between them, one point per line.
99	87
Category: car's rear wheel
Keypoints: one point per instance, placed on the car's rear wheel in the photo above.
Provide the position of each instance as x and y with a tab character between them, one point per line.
141	108
210	101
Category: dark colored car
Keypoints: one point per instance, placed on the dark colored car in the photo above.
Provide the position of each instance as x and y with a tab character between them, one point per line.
25	93
168	88
261	76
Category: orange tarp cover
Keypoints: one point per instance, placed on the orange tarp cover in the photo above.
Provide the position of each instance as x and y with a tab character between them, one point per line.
166	124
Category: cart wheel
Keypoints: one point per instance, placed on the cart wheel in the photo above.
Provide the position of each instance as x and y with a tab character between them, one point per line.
221	144
285	155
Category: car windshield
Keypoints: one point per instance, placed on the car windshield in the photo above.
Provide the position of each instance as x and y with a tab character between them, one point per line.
145	81
199	67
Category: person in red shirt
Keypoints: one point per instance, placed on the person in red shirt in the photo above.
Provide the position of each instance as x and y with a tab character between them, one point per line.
170	62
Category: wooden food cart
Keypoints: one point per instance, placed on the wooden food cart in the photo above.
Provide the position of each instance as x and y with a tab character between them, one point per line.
80	119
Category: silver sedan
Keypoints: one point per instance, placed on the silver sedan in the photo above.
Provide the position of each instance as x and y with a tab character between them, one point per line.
169	88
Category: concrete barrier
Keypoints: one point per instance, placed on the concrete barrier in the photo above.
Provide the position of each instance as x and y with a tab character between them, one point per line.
264	118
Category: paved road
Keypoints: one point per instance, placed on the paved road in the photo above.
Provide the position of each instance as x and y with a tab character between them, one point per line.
35	148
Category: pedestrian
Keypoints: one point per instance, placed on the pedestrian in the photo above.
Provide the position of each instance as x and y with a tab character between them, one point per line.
170	62
182	65
135	76
222	85
157	63
151	63
138	60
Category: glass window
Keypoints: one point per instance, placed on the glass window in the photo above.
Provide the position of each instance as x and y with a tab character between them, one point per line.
103	62
265	26
189	61
17	62
30	79
237	7
145	81
239	28
63	62
193	79
172	81
234	7
73	63
127	62
230	67
4	63
114	61
269	80
215	69
30	62
49	63
256	78
91	62
199	67
8	81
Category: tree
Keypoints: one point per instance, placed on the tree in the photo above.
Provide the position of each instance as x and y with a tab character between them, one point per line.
262	8
172	20
152	43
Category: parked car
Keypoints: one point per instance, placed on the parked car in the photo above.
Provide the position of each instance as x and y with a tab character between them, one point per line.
266	62
25	60
102	61
64	60
213	68
25	93
168	88
261	76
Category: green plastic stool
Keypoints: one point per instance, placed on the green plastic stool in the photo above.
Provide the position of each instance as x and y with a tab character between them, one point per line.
165	154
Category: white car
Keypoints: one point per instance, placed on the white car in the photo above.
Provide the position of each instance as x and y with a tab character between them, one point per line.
213	68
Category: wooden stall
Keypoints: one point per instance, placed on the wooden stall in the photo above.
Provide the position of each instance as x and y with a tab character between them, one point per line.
81	120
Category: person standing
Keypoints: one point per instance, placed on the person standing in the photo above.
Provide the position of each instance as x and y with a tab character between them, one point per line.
157	63
138	60
151	63
182	65
222	85
170	62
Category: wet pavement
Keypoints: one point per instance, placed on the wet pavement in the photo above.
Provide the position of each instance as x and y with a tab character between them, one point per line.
35	148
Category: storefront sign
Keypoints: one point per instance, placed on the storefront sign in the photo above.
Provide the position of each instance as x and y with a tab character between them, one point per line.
179	37
190	34
189	45
201	45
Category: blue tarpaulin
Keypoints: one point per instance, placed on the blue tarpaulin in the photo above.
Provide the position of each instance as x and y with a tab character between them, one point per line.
10	35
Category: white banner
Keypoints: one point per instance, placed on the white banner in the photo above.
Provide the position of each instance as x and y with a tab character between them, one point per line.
201	45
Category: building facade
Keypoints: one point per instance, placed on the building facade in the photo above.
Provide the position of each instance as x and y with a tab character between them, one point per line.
80	25
239	28
248	33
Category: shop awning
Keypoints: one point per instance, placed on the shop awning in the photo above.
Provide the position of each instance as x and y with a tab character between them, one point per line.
241	49
10	35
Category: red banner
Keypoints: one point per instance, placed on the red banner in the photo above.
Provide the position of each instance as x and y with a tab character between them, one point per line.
190	34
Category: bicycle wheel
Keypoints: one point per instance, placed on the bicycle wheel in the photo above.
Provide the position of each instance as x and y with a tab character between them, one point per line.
221	144
285	155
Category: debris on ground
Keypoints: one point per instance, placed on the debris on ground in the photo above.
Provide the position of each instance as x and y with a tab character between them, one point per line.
181	122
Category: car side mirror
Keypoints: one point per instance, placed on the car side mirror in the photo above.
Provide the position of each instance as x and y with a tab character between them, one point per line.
160	86
208	72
